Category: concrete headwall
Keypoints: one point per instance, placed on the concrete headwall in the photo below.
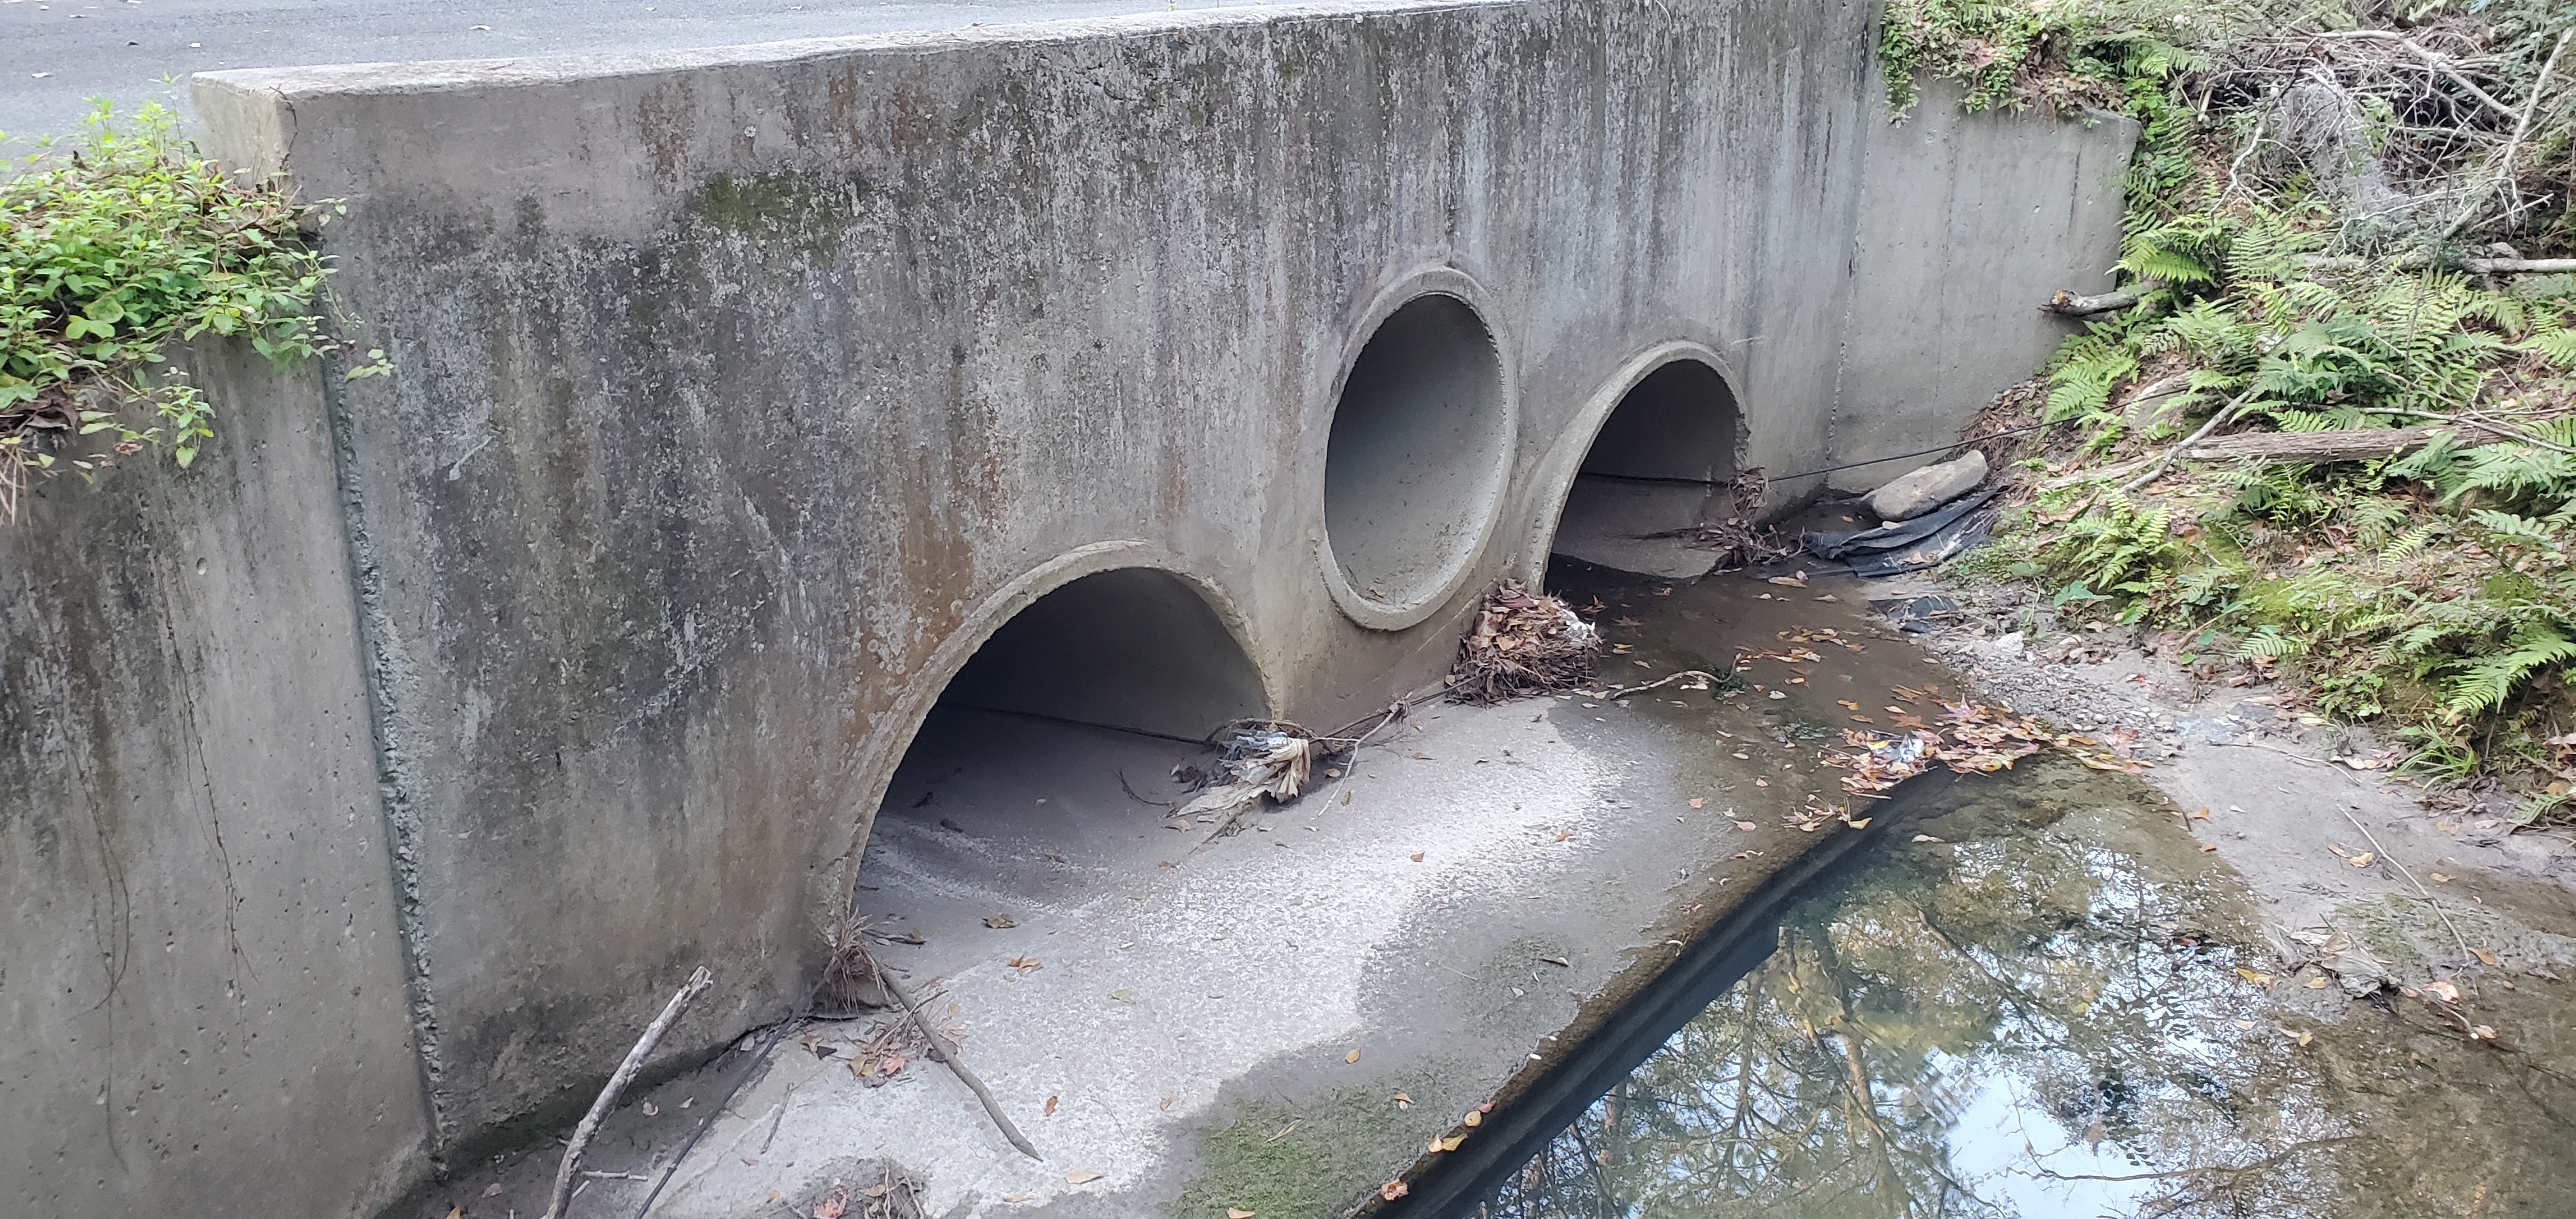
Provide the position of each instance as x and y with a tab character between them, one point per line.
743	394
200	976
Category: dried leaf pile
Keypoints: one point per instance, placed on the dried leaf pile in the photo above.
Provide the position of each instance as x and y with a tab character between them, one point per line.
1522	643
1977	739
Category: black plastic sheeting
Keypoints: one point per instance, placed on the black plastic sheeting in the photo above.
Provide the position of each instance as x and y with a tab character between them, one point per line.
1926	541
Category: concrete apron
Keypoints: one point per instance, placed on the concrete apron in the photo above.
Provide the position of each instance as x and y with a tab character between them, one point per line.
1223	1024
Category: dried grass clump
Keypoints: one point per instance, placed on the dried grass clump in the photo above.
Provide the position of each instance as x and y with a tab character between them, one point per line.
1523	643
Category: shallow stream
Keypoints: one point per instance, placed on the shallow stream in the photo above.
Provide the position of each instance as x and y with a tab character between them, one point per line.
2037	994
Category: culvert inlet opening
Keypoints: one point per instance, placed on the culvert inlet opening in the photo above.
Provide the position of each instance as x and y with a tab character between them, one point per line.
1045	769
1414	468
1662	465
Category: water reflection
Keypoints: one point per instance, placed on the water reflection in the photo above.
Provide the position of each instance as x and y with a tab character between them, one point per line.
2040	1007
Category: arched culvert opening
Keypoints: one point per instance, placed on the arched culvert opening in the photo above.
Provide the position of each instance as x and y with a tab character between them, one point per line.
1661	468
1414	469
1044	771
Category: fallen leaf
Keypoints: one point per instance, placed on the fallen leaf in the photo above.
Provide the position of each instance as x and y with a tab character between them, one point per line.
1847	704
1558	961
1050	1107
2363	860
2258	979
2440	879
1236	1213
455	1212
1473	1118
2209	846
1082	1176
1762	782
2482	1033
1353	1056
1123	995
2305	1036
1863	719
2198	814
999	922
1402	1101
1448	1144
1562	835
1416	857
1788	581
1167	1102
1393	1190
2484	955
1745	825
1024	964
2443	991
1420	756
1925	838
652	1110
894	1065
1699	802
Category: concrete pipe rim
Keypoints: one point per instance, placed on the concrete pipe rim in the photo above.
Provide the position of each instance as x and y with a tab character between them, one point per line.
1554	480
1477	475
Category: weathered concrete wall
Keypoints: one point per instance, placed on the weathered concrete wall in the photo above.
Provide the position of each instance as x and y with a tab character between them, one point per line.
1966	226
743	394
200	978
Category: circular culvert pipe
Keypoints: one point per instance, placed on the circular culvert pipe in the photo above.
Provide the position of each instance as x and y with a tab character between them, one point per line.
1415	466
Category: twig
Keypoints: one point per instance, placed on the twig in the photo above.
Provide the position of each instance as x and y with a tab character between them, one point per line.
2513	146
1625	691
2438	62
614	1176
2410	879
2239	163
2224	414
777	1118
697	985
946	1053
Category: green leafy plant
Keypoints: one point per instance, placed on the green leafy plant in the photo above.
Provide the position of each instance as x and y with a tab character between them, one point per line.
110	250
2426	579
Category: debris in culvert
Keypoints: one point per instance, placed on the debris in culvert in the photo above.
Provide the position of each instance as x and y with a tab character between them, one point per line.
1739	543
1522	643
850	980
1270	758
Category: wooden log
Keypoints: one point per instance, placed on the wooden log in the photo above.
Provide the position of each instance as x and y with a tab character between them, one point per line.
2068	304
2357	444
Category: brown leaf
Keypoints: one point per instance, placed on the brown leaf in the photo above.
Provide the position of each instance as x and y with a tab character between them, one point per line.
1353	1056
893	1065
1745	825
999	922
2363	860
2484	955
1393	1190
1235	1213
2440	879
1416	857
1082	1176
1562	835
2199	814
1699	802
1402	1101
1473	1118
1050	1107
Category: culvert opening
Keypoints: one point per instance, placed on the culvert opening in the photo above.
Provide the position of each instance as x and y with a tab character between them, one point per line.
1415	465
1044	771
1662	466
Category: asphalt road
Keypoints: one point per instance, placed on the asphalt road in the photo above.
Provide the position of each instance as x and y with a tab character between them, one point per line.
57	54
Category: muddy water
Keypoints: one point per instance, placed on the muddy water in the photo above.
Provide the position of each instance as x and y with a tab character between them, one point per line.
2035	995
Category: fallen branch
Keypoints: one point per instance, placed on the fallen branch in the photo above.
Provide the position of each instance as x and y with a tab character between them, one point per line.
2512	146
1625	691
625	1073
2439	63
2224	414
2353	444
943	1052
2521	266
2068	304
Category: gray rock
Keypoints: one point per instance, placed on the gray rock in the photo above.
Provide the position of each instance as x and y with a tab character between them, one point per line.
1914	494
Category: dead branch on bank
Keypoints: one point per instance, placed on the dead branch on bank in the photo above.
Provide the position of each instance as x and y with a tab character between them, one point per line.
852	957
625	1074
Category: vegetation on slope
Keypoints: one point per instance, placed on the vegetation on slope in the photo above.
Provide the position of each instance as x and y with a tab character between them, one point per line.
2327	428
111	249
